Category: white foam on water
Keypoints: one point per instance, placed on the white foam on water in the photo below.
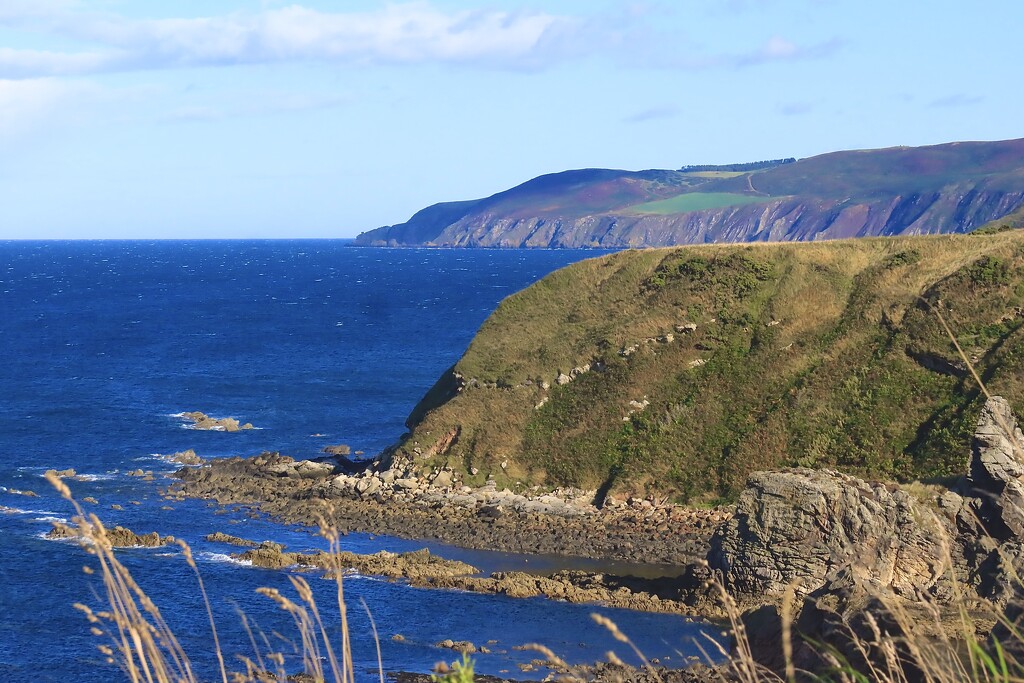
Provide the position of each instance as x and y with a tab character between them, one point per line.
224	558
94	477
51	519
21	511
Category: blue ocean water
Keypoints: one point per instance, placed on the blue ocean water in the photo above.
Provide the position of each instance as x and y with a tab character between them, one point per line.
315	343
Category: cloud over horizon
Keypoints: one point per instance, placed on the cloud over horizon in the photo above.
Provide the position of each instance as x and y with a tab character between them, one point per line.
406	33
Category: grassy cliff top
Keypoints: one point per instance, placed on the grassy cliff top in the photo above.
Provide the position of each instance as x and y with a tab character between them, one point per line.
688	368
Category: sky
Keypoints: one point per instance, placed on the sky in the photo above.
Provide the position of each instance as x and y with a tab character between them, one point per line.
264	119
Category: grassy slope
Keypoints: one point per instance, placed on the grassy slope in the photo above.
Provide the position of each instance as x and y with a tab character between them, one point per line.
857	373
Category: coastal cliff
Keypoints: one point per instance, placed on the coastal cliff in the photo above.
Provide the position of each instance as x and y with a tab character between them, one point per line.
676	373
953	188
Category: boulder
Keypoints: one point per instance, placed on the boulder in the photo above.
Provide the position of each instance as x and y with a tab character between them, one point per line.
312	469
367	486
801	525
443	479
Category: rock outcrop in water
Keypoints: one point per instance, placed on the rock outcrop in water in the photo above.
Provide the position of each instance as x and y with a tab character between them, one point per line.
118	536
204	422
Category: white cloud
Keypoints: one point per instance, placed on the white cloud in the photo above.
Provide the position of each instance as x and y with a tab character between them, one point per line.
400	33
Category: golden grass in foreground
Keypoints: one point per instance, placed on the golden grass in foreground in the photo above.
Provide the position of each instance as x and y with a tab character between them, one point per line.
145	648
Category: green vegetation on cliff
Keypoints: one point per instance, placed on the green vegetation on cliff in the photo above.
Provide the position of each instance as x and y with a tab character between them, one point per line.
695	366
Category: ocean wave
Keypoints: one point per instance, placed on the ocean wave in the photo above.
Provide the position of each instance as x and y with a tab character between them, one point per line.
21	511
94	477
224	558
51	519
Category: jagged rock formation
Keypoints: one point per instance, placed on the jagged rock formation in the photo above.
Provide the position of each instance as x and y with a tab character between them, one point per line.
802	525
997	468
869	556
805	526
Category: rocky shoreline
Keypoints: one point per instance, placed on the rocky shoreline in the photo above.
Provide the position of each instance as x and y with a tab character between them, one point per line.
845	553
338	493
388	502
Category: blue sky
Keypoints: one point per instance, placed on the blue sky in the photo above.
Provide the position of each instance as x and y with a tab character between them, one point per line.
226	118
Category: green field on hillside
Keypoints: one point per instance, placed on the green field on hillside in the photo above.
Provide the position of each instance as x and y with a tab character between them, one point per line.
693	201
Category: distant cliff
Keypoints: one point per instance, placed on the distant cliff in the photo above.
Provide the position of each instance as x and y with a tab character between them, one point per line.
952	188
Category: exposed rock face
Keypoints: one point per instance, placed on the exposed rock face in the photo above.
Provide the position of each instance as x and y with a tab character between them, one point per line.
806	525
997	467
865	553
799	219
802	524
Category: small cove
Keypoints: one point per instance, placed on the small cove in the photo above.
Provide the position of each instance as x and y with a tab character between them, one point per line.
313	342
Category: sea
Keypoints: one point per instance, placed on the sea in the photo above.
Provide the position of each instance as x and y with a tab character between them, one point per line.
103	344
